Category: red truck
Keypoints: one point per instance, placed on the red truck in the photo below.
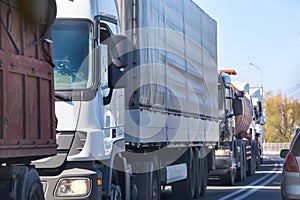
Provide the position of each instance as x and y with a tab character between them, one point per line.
27	119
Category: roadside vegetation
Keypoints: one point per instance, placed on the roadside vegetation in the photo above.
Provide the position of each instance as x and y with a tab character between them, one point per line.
283	118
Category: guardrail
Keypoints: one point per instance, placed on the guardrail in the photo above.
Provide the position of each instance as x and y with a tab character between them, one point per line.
274	148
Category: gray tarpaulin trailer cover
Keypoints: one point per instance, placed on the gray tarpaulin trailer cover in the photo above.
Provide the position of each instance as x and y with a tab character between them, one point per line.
175	68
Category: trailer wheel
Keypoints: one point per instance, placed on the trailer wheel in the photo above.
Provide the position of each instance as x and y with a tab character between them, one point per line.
185	189
252	161
228	179
257	153
199	173
204	175
244	169
241	171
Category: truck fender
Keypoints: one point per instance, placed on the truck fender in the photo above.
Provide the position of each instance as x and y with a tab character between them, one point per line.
117	168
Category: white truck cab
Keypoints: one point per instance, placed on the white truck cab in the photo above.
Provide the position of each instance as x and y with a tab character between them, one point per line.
87	127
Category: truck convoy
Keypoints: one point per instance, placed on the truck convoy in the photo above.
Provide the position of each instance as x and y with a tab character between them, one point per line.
27	120
136	111
239	152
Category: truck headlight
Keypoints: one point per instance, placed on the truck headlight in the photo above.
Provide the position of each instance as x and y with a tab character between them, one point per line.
73	187
223	152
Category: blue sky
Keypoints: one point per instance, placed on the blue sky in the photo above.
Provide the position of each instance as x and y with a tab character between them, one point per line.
264	32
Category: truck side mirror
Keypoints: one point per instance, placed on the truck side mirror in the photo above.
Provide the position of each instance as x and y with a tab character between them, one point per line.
115	75
121	50
283	153
239	94
260	110
237	106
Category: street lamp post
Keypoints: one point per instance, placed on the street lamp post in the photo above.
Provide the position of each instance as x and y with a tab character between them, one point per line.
261	85
257	67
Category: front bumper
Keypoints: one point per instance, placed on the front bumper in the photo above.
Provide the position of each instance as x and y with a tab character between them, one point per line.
224	165
50	183
290	185
224	162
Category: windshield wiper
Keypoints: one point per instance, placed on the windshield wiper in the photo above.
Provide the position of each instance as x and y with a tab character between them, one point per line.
62	97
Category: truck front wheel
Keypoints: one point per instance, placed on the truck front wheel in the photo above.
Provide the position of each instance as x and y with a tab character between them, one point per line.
32	186
185	189
20	182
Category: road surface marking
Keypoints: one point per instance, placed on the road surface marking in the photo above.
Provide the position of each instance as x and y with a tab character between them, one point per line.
262	186
274	170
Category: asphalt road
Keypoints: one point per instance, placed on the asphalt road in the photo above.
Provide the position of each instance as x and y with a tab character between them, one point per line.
264	184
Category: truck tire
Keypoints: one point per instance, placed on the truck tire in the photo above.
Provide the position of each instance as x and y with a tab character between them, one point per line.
115	185
251	163
21	183
33	189
185	189
156	185
257	153
228	179
204	175
241	171
244	169
148	183
199	173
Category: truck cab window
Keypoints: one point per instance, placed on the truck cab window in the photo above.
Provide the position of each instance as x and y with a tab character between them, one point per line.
228	96
72	47
105	34
220	95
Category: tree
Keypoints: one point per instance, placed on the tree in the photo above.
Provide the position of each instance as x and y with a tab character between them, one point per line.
283	118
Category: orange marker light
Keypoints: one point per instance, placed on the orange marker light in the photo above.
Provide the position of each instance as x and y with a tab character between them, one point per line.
99	182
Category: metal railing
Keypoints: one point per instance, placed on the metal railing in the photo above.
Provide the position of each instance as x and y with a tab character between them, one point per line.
274	148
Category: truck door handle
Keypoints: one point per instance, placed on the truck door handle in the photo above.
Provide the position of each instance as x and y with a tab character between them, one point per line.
114	133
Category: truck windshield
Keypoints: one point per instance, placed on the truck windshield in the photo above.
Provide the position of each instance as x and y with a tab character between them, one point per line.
72	52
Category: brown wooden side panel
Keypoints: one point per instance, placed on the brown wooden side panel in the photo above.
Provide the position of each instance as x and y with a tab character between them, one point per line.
1	103
28	100
16	108
46	110
32	108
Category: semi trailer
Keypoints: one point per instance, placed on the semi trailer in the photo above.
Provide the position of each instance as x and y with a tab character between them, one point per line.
27	119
